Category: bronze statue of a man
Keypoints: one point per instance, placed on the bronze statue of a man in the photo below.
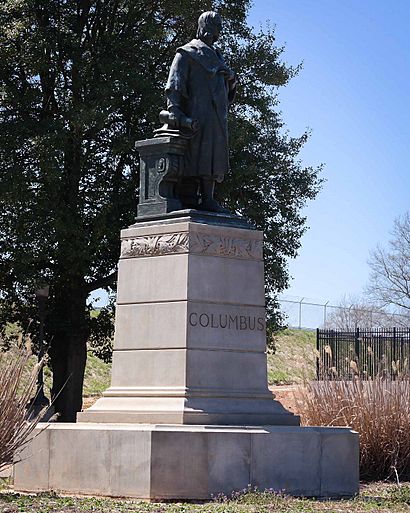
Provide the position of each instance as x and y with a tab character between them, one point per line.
199	90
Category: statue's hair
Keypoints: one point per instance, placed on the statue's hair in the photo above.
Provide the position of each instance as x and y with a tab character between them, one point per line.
205	21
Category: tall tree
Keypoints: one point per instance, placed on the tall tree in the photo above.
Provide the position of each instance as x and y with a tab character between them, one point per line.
82	80
389	282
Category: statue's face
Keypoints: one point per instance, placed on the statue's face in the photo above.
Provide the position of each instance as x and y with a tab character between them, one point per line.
216	28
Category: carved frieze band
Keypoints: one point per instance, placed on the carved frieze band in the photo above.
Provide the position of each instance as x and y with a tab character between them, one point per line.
203	244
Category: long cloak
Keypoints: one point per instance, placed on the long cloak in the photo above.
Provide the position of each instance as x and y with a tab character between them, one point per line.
197	87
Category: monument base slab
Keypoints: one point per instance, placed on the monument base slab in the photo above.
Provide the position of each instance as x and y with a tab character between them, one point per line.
150	461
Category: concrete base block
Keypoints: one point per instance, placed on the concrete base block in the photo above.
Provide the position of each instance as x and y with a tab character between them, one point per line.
189	462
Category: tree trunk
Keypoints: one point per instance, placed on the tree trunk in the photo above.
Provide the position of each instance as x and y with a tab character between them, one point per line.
68	351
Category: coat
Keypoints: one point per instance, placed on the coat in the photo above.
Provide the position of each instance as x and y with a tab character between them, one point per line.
197	88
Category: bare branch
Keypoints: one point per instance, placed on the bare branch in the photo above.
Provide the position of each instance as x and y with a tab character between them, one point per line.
390	268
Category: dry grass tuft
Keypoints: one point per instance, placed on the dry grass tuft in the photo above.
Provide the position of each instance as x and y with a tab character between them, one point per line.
378	409
15	394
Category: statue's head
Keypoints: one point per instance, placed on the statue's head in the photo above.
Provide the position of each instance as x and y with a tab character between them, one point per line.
209	26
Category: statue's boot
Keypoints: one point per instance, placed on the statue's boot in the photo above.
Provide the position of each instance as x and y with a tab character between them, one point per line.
209	203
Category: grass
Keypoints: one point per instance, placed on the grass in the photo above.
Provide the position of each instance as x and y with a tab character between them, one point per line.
294	360
97	376
378	497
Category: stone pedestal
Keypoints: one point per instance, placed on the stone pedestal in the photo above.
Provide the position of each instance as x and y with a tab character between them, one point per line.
188	413
190	329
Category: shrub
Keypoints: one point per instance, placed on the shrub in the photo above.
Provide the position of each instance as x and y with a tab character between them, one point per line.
102	332
16	390
378	409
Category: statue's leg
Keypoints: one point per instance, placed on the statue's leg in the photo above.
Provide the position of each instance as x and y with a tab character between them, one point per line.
207	195
187	192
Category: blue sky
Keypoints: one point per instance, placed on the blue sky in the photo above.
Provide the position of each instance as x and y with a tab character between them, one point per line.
353	92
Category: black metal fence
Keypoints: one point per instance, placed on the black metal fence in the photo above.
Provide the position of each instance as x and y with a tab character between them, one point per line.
343	354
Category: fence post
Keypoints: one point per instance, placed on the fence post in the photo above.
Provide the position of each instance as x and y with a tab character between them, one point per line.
317	355
394	354
300	312
402	358
332	343
325	313
357	347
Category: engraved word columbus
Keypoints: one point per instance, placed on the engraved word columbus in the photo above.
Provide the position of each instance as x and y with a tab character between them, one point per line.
204	244
226	321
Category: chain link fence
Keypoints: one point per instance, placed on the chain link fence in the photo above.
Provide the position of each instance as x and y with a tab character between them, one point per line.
309	313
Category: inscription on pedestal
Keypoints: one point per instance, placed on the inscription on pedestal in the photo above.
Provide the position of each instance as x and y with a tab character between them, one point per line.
224	326
225	321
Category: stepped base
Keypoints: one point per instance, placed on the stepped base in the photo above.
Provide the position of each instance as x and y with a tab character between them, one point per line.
189	462
251	409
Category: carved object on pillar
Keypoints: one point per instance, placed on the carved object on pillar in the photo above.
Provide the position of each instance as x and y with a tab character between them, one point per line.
161	165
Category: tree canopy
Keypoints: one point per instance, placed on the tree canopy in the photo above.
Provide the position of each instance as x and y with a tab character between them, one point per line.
81	81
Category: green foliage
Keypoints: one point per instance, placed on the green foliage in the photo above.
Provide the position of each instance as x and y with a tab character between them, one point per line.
400	494
102	332
10	336
82	81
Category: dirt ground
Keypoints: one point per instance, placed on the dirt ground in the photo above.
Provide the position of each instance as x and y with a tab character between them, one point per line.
286	395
